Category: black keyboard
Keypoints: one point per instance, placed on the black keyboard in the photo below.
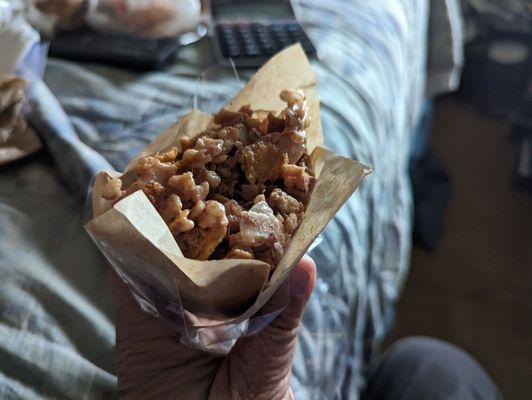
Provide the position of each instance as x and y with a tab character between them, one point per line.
250	44
116	49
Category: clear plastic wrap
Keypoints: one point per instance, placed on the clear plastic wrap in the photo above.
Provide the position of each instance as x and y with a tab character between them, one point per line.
184	19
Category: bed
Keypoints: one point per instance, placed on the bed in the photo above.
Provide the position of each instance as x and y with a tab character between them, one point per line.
56	307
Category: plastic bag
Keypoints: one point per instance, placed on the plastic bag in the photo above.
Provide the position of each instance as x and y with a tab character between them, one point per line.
156	18
21	65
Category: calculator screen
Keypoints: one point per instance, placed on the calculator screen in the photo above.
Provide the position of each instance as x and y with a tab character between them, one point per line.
251	10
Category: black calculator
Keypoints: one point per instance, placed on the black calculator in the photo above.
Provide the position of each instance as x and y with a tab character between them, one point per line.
247	33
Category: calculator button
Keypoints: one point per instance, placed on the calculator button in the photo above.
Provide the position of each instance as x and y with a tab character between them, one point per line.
241	28
264	39
227	33
293	27
268	51
256	27
228	36
246	34
297	35
283	41
279	32
252	51
263	34
225	29
233	51
233	46
277	27
265	46
246	37
280	36
250	44
231	41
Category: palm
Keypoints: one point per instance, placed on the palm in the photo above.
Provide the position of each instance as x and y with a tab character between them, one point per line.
151	362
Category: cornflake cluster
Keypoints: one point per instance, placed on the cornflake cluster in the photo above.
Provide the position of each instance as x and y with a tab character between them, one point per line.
237	190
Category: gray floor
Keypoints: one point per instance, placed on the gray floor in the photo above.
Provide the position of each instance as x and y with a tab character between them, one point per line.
476	289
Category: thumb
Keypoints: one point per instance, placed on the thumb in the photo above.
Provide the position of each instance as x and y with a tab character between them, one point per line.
261	364
299	286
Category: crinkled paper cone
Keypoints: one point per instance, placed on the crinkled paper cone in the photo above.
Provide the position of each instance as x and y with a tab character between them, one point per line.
226	290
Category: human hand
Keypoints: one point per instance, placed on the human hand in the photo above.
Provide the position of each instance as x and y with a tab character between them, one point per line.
153	364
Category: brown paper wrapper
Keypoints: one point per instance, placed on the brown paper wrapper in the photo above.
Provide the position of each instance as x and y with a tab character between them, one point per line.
214	300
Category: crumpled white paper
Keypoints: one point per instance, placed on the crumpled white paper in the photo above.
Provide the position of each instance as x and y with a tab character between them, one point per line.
17	37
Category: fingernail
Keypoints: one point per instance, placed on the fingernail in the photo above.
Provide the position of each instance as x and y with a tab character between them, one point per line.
299	279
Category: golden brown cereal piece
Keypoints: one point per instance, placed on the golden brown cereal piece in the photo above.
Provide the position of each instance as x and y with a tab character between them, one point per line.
197	210
213	215
191	242
234	137
295	177
245	254
169	156
261	162
187	143
209	176
170	207
249	192
181	223
283	202
231	118
151	169
200	242
291	222
185	186
193	158
113	189
233	210
153	191
214	148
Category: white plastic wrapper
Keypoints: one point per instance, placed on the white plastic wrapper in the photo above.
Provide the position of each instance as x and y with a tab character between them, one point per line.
156	18
17	38
22	60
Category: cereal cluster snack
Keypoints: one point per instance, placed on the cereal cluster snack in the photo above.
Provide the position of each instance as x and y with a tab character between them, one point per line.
239	189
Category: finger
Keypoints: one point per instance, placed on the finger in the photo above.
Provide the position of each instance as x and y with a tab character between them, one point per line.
263	362
301	283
